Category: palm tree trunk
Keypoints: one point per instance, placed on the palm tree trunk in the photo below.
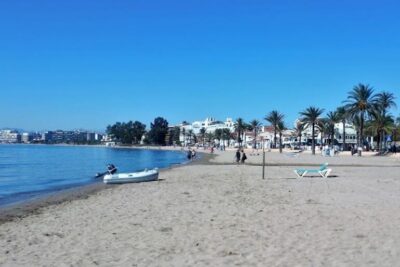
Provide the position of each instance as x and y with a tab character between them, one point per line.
255	139
280	142
299	140
274	136
313	139
344	135
361	134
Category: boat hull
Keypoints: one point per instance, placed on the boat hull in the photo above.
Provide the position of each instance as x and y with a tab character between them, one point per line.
134	177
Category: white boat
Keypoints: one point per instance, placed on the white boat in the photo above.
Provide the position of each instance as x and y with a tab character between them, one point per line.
133	177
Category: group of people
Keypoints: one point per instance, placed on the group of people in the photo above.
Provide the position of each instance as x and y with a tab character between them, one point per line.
240	156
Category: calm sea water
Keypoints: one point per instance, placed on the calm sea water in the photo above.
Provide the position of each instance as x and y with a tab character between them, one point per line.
29	171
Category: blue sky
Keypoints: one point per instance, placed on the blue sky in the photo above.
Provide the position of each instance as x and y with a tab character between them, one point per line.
87	64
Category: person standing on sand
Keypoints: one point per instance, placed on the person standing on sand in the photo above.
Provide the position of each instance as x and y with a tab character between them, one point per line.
244	157
237	156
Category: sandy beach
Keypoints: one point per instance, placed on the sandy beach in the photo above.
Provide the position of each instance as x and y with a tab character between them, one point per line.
217	213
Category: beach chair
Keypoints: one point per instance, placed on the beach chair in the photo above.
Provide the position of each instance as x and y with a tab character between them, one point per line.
323	171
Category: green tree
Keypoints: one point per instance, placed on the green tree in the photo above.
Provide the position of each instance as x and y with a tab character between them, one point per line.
311	117
218	134
255	127
240	127
184	135
174	136
357	125
280	128
380	125
343	116
226	135
396	129
190	134
383	102
323	127
332	118
158	131
127	133
274	117
360	103
203	134
137	131
299	130
209	137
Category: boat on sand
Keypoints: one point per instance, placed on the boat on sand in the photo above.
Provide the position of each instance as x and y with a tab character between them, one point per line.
133	177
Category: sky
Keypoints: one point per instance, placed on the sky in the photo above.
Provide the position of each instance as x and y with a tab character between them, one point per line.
87	64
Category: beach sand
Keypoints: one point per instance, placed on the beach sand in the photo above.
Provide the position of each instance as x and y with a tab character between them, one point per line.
223	214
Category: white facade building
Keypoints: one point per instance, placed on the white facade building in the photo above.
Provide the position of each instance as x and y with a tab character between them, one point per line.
9	136
209	124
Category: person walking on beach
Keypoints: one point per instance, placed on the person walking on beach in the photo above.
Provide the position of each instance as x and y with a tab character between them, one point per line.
237	156
244	157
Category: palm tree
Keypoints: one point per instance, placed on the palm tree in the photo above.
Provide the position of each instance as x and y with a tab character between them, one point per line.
240	127
274	117
218	135
311	116
226	135
209	137
332	118
380	125
323	126
356	121
202	134
342	116
184	136
190	134
255	125
299	130
396	129
280	127
360	103
383	102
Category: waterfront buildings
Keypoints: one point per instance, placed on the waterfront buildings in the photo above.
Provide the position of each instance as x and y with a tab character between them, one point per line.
50	137
191	132
10	136
209	126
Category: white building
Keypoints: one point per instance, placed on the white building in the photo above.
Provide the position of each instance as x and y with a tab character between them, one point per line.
351	135
9	136
209	124
26	138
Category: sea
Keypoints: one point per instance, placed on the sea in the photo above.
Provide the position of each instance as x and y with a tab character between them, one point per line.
33	171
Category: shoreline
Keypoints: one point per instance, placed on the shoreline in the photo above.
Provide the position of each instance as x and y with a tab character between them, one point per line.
19	210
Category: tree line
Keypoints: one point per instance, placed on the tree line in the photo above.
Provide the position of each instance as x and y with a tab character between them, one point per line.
366	110
131	133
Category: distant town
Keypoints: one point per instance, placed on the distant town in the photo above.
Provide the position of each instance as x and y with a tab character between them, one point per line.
9	136
203	132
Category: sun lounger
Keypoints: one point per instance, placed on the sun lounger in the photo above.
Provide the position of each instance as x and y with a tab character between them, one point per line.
323	171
